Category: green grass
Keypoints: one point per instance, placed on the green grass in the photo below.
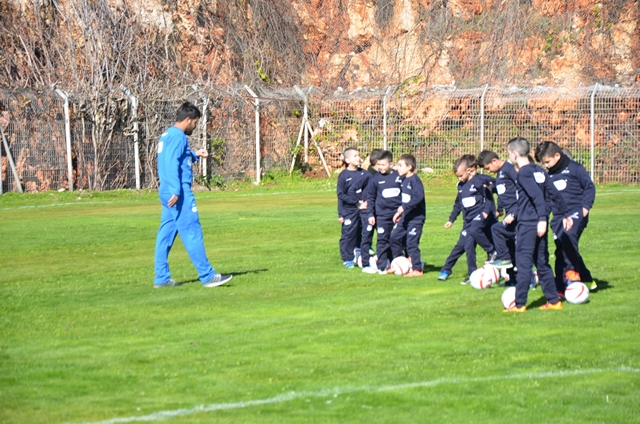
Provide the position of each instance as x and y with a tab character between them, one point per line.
84	336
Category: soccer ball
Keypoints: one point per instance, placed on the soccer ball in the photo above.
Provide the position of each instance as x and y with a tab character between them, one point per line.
577	293
509	298
400	265
535	280
482	278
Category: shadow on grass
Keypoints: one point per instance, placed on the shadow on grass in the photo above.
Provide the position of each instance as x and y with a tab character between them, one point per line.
235	274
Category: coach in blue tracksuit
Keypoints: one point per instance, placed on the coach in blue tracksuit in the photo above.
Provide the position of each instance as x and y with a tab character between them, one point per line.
531	232
179	211
579	193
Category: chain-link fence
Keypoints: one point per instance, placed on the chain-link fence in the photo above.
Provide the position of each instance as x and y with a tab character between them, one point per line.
599	125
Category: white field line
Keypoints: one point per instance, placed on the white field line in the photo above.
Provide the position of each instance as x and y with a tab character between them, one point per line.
286	397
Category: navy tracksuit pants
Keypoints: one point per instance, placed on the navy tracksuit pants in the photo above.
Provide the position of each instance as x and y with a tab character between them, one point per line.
567	254
473	232
407	234
384	227
366	239
533	250
351	228
504	240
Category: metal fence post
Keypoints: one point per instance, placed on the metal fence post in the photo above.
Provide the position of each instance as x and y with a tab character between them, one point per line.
384	118
592	125
67	128
205	103
484	92
136	143
257	104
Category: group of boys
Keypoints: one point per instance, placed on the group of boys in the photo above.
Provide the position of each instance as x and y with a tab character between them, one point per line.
391	202
526	196
385	200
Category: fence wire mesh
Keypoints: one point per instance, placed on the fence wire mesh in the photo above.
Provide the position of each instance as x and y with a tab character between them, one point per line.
599	125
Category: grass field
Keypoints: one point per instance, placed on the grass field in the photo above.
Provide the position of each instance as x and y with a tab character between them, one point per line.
295	337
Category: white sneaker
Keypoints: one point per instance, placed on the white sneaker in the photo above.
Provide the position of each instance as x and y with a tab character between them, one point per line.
369	270
218	280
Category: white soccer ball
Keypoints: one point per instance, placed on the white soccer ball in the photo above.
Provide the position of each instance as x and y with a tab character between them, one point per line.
400	265
535	280
509	298
482	278
577	293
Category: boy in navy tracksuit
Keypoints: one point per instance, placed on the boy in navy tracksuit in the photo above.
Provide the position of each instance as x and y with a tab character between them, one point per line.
504	232
383	200
531	230
475	201
349	203
410	216
578	191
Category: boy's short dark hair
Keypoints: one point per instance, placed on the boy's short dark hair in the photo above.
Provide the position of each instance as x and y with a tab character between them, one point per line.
469	161
486	157
547	149
344	154
385	155
374	156
519	145
410	160
187	110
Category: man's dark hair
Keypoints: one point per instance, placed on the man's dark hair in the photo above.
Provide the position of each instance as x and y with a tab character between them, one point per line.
410	160
547	149
469	161
374	156
187	110
486	157
344	154
385	154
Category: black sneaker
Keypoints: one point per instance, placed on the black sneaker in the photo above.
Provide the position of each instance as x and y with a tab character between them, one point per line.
218	280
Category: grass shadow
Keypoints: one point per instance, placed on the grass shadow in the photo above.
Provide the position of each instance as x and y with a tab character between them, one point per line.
234	273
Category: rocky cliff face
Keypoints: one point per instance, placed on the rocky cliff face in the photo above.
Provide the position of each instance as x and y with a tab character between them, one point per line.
326	43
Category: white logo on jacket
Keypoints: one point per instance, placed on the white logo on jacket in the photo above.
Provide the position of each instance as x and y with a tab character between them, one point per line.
390	192
468	202
406	198
501	189
560	184
539	177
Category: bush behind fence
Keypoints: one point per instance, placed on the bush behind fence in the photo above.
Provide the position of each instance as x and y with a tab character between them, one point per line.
599	125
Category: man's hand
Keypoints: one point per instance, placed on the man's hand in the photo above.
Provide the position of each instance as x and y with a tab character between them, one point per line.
363	205
202	153
508	219
585	212
567	223
485	215
372	221
341	220
173	200
448	224
542	228
498	214
397	215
